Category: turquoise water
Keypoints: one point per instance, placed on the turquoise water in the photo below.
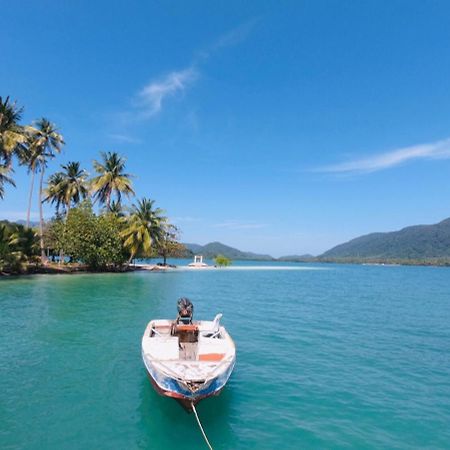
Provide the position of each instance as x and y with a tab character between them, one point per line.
327	357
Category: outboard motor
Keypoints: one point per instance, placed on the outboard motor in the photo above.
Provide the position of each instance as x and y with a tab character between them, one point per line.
185	311
187	332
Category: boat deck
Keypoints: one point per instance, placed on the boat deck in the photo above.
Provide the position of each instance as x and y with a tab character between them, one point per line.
187	361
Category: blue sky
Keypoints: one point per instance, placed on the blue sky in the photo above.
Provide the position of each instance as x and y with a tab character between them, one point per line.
275	127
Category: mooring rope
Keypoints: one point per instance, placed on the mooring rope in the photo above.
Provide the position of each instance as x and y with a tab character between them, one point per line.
200	425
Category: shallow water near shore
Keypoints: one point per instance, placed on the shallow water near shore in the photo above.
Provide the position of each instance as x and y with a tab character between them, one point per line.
344	356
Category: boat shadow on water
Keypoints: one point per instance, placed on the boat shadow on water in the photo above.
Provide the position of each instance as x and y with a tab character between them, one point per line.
164	421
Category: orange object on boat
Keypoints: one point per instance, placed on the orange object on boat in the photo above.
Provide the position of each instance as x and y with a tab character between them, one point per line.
211	357
187	327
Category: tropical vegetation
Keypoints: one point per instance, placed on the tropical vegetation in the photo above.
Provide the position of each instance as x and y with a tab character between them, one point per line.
19	247
77	236
222	261
144	229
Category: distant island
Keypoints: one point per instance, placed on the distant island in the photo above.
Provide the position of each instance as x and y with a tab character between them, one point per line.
418	244
211	250
414	245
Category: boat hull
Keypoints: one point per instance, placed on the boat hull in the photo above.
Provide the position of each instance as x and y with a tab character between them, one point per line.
170	387
185	402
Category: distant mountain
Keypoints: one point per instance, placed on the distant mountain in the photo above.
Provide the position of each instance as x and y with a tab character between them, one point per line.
194	248
297	258
415	242
213	249
33	223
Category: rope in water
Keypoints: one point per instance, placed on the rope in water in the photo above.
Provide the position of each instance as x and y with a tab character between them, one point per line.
200	425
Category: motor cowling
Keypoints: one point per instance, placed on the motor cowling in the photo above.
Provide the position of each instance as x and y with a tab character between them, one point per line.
185	310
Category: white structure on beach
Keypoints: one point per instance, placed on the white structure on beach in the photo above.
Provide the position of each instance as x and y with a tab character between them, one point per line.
198	262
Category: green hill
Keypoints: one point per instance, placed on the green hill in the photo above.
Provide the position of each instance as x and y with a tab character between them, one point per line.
415	242
213	249
297	258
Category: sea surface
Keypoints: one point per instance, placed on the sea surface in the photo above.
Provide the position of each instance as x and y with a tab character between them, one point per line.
328	357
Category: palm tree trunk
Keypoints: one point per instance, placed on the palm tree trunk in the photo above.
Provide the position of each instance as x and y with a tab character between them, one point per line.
61	253
30	198
41	218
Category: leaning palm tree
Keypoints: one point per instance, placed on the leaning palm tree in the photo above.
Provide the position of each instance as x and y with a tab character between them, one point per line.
12	137
5	178
44	141
145	227
112	180
74	185
11	133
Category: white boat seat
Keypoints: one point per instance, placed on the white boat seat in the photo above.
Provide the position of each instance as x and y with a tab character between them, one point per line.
215	329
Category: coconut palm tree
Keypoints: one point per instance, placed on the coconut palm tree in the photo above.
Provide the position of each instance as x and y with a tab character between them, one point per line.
17	247
12	137
145	227
115	208
74	185
111	179
54	192
5	178
11	133
44	142
30	157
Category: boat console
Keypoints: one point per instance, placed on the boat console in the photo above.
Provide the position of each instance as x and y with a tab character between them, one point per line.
187	341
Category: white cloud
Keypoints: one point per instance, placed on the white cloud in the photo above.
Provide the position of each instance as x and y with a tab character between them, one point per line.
238	225
236	35
433	150
185	219
152	96
124	138
149	101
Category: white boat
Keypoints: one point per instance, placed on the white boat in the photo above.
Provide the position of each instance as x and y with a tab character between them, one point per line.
188	361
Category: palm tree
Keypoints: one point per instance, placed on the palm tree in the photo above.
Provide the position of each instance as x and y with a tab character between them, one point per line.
144	228
11	133
115	208
17	247
54	192
44	142
12	137
30	157
111	179
5	178
74	186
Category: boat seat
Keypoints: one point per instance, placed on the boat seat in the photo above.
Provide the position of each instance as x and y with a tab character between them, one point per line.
215	329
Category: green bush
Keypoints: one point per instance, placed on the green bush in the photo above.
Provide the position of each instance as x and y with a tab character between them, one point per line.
222	261
89	239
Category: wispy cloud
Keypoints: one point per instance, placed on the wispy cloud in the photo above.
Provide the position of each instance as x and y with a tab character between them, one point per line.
433	150
185	219
231	38
150	99
124	138
238	225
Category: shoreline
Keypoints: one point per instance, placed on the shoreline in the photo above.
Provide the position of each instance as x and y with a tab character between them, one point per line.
72	270
79	269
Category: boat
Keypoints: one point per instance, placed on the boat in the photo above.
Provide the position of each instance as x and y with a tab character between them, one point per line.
188	360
